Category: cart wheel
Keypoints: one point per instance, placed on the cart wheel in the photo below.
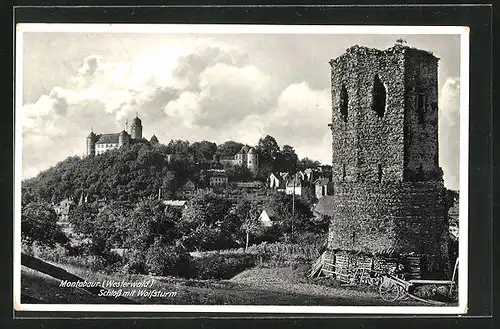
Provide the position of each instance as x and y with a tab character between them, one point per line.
389	291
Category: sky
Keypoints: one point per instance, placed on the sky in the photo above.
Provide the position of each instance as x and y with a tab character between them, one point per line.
196	87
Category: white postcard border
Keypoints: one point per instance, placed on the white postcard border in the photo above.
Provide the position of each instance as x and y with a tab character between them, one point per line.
248	29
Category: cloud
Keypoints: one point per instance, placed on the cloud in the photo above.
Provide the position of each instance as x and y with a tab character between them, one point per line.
300	120
173	90
449	131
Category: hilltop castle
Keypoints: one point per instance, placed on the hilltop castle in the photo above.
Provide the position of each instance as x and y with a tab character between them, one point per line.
98	144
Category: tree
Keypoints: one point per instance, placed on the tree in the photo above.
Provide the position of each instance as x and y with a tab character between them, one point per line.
151	220
178	147
106	226
228	148
238	173
205	223
203	150
305	163
39	223
82	218
290	212
268	150
287	159
169	184
248	214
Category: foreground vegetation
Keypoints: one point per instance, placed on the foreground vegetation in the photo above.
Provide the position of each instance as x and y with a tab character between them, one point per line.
259	285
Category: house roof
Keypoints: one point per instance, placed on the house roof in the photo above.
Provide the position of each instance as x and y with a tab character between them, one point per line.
270	212
284	175
325	206
217	174
298	182
321	181
175	203
108	139
276	175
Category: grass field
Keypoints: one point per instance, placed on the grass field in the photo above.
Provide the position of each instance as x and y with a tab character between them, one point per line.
285	285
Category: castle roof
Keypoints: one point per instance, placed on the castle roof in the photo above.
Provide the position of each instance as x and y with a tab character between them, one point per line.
244	150
123	133
136	122
154	139
108	139
251	150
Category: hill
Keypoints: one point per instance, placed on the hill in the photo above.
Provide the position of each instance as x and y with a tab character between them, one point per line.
140	171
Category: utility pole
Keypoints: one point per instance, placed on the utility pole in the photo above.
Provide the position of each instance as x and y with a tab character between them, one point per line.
293	206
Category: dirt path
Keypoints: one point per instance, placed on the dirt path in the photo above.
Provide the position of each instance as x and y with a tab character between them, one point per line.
289	280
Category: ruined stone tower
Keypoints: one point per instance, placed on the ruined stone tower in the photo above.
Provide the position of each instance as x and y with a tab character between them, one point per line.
388	187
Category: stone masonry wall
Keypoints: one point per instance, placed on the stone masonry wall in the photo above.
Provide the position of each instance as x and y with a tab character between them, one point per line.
402	144
421	124
390	218
367	141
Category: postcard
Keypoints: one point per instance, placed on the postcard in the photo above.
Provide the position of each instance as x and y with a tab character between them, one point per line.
241	168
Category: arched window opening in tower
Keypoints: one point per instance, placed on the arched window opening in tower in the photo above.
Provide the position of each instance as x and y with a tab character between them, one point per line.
344	102
379	173
343	172
379	97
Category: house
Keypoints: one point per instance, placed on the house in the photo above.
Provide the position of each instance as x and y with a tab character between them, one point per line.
218	178
276	181
286	176
266	217
310	174
322	187
187	189
179	204
62	210
301	174
297	186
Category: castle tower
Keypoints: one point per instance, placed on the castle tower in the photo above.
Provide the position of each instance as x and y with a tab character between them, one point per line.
136	128
91	139
389	193
252	160
123	139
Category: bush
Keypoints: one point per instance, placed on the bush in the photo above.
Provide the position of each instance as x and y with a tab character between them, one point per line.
222	266
167	260
135	262
54	254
